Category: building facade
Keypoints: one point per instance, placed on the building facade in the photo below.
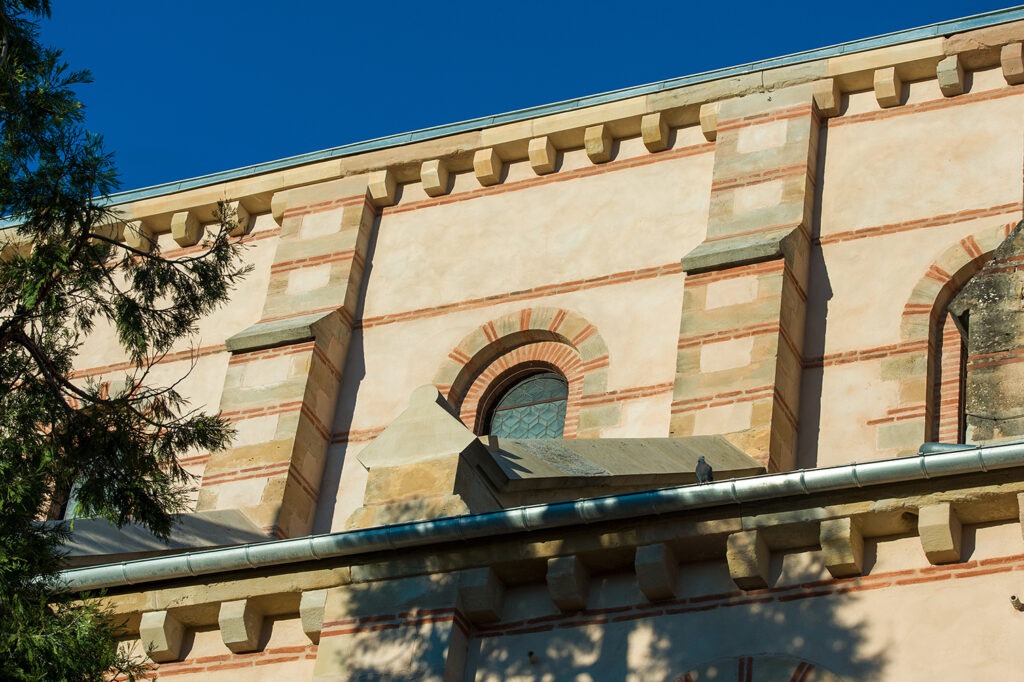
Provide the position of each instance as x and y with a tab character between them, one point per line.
474	368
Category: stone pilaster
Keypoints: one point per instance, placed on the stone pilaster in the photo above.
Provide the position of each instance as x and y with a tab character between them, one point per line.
741	334
283	378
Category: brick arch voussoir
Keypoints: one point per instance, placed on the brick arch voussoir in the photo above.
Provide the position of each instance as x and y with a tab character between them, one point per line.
923	321
943	279
555	337
542	354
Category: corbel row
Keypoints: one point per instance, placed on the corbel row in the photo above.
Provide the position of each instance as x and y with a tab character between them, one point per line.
748	557
489	167
240	621
186	227
950	73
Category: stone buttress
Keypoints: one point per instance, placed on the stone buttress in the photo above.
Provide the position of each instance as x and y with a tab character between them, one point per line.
285	371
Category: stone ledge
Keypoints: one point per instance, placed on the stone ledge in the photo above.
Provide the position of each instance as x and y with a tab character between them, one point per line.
285	332
742	250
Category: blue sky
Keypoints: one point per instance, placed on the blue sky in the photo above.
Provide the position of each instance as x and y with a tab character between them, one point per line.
187	88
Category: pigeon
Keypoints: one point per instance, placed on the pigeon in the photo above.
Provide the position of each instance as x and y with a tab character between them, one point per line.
704	471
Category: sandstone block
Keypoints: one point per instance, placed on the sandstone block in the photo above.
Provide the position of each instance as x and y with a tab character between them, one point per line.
843	547
112	229
240	214
311	612
382	187
240	625
161	635
434	176
598	142
481	595
139	236
709	120
488	166
278	205
657	570
827	97
950	73
749	559
1011	56
888	87
654	130
186	228
940	532
543	155
568	582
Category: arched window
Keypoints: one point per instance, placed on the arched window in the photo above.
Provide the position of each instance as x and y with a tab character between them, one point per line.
531	407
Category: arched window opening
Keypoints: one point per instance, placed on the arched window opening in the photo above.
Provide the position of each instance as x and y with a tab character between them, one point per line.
949	372
529	407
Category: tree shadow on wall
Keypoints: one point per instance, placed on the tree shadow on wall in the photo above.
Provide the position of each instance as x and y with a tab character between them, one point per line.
805	622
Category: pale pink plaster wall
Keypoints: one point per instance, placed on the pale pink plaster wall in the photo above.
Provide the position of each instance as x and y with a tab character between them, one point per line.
899	630
901	167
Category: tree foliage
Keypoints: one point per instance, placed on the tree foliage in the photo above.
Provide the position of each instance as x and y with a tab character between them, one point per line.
63	276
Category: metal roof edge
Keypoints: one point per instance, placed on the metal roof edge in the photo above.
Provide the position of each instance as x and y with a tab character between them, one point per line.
941	461
885	40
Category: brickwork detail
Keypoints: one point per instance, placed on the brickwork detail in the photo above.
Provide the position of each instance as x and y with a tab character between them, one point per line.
929	373
740	354
548	337
281	394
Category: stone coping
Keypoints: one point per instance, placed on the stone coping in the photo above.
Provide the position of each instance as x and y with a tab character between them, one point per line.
556	464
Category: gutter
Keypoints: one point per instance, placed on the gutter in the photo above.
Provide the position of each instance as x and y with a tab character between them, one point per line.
508	522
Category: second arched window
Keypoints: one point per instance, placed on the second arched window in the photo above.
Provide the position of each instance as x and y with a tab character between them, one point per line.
533	407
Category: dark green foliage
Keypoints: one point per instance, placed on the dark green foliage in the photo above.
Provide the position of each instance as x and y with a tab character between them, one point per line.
63	277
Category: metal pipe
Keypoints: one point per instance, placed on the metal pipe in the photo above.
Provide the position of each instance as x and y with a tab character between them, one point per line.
544	517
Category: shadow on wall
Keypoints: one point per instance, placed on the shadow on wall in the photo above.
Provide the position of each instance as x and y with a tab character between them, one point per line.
802	628
819	293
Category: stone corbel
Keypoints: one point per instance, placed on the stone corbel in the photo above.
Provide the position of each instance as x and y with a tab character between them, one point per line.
749	559
278	205
139	236
1011	57
186	228
842	545
488	166
950	73
888	87
598	142
709	120
161	635
112	229
827	97
240	625
657	570
568	583
543	155
481	595
311	612
941	533
655	131
435	178
382	187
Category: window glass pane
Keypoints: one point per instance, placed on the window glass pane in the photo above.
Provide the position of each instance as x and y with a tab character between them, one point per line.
533	408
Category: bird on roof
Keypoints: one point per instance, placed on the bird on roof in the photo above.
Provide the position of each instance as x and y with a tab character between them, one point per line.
704	471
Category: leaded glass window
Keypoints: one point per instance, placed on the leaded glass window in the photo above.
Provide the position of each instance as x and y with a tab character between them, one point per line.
532	408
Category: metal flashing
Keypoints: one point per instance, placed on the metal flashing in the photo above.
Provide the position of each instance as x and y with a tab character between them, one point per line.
517	520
